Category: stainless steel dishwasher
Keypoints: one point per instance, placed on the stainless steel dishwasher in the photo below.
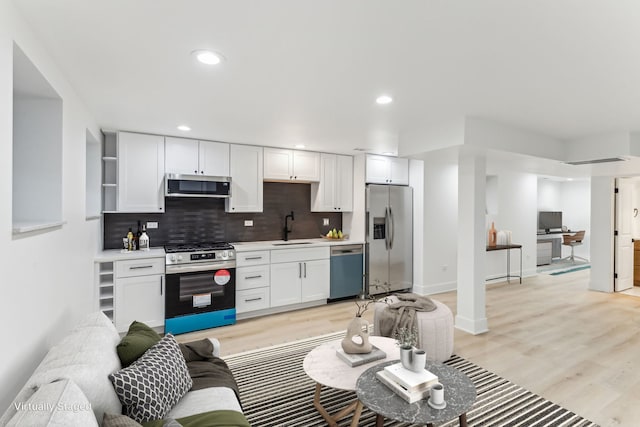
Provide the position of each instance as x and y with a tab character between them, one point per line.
346	271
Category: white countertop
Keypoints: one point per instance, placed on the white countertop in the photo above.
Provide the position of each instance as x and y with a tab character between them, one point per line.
290	244
118	255
158	252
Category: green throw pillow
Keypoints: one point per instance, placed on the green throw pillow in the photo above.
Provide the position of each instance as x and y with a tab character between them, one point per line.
139	339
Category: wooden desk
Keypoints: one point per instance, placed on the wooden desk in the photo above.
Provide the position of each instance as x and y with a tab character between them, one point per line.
508	249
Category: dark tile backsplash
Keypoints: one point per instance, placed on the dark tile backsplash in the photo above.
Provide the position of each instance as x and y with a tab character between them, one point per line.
201	220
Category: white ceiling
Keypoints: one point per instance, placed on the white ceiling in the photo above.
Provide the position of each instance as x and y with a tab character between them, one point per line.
308	71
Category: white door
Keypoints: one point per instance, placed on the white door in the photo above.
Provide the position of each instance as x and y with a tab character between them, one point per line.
278	164
399	171
246	179
140	172
214	158
181	156
623	238
315	280
306	166
377	169
323	197
139	298
285	283
344	183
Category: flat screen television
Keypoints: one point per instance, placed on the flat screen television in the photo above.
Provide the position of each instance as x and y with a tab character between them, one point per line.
548	220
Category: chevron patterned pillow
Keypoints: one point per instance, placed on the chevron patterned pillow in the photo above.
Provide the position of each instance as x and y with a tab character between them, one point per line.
153	384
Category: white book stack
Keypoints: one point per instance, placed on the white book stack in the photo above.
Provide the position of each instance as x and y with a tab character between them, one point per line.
409	385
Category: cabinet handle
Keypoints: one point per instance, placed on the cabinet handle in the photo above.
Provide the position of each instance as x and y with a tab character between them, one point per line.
161	279
295	177
253	277
202	172
253	299
305	269
138	267
253	257
299	270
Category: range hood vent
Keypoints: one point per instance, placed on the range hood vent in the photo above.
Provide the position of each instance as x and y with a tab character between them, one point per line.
595	161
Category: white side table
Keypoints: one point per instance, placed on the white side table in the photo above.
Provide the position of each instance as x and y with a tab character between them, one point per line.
324	367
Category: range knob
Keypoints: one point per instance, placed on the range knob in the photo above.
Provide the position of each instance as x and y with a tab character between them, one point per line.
179	257
225	254
173	258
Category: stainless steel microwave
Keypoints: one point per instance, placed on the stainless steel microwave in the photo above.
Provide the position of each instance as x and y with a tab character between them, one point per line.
179	185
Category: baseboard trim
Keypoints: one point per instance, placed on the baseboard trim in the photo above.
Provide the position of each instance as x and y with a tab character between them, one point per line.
436	288
472	326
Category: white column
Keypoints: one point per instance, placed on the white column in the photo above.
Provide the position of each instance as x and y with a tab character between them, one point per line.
471	315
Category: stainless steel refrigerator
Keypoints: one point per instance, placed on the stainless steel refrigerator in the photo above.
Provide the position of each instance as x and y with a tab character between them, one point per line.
389	239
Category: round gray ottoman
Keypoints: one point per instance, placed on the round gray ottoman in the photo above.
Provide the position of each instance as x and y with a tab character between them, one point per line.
435	329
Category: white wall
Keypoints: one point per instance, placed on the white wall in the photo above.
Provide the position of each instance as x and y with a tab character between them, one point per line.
47	281
416	181
439	238
576	213
573	199
549	195
485	134
516	212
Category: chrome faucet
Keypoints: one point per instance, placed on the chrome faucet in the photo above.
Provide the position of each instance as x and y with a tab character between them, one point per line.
286	226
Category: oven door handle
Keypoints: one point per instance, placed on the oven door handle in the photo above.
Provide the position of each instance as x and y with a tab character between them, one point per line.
176	269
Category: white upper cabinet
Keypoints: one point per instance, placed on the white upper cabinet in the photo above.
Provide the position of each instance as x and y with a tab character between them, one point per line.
140	172
214	158
246	179
191	157
387	170
334	192
291	165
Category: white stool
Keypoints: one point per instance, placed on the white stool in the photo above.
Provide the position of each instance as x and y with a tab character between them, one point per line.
435	329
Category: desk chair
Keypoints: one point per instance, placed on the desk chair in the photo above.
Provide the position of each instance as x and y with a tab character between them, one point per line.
573	240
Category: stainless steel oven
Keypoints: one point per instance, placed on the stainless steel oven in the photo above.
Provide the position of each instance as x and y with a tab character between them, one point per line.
200	287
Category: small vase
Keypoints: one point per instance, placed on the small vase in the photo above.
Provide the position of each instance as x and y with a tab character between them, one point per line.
493	235
358	328
406	357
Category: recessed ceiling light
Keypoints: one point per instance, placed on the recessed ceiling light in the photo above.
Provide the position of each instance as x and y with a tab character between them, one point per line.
299	145
208	57
384	99
388	153
184	128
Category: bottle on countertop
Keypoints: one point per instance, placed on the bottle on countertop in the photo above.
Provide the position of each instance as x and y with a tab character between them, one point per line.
136	242
130	239
144	239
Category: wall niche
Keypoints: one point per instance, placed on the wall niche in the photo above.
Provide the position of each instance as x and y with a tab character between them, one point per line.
37	149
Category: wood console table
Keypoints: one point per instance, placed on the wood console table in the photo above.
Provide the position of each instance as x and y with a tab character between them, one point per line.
508	249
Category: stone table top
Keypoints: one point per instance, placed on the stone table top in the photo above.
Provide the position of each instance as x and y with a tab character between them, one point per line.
326	368
459	394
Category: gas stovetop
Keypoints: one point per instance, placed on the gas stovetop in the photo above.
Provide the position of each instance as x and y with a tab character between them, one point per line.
198	247
211	253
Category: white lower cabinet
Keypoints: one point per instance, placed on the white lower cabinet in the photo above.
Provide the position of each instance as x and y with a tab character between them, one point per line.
299	275
139	293
252	288
285	288
252	281
315	283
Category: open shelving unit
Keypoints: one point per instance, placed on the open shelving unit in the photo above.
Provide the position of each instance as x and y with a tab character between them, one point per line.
110	171
105	288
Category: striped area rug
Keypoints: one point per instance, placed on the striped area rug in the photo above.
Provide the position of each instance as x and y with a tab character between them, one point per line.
275	391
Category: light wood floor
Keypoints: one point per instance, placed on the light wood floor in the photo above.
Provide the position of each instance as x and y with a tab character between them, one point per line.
551	335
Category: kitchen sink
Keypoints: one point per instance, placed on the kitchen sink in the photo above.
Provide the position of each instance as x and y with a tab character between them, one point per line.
291	243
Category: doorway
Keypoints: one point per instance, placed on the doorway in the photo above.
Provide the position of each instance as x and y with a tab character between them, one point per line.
625	199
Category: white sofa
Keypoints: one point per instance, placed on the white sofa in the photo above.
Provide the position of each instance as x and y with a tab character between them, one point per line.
71	387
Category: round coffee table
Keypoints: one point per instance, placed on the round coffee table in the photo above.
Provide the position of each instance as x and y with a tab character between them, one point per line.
326	369
459	394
